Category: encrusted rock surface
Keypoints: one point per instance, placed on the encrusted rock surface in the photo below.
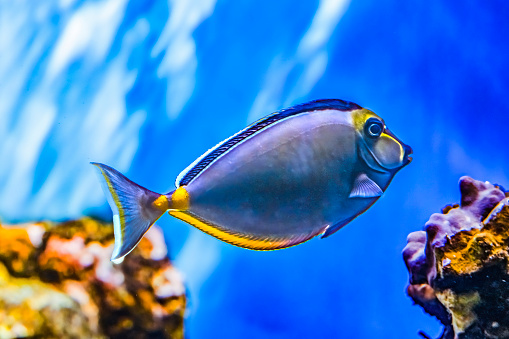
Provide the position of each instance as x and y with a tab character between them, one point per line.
56	281
459	265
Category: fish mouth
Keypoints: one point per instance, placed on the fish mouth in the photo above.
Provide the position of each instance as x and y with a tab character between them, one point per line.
408	151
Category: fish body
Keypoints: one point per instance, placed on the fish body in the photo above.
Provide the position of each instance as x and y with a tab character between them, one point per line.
290	176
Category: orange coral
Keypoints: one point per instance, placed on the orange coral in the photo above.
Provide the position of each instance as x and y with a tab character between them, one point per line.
17	249
144	294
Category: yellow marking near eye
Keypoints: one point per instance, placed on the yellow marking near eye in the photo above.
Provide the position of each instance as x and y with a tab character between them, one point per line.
359	117
180	199
235	239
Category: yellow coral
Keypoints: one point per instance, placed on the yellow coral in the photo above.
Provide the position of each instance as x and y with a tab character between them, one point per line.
70	280
461	306
467	251
17	249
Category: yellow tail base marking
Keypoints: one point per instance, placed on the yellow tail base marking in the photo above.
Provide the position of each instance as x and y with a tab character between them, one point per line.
180	199
161	203
236	239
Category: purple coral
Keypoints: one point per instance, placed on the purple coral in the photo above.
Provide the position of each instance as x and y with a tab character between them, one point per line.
477	200
448	261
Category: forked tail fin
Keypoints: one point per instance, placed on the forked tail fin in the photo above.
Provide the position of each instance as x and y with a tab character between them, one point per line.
134	207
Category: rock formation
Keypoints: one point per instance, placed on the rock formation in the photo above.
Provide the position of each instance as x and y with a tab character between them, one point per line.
459	264
56	281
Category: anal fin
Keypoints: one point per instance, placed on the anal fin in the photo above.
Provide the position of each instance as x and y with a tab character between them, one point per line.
331	229
251	242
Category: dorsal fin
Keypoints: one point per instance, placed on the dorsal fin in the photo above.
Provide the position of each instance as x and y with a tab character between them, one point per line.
188	174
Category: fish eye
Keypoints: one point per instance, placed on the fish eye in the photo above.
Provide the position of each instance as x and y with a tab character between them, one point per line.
373	128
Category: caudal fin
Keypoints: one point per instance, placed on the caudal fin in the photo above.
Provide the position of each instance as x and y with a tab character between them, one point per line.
134	207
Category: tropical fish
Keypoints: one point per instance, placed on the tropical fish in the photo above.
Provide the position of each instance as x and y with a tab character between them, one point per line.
294	174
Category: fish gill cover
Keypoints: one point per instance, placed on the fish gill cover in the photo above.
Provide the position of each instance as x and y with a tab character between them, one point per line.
146	86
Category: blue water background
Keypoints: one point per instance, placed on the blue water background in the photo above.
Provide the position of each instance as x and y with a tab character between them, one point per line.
147	86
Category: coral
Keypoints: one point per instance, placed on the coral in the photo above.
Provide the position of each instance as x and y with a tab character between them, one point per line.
56	281
459	264
29	308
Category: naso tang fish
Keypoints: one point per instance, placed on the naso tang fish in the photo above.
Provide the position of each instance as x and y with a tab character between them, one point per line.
294	174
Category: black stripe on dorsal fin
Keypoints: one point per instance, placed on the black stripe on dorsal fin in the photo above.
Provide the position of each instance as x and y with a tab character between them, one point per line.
206	159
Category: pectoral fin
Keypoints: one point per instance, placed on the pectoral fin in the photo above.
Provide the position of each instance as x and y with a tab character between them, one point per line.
364	187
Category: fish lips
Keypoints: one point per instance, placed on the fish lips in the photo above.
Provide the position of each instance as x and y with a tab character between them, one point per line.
408	152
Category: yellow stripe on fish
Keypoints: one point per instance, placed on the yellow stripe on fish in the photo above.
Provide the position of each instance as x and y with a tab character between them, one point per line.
249	242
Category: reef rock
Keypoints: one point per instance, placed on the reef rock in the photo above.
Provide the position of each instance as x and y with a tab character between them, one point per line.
459	264
56	281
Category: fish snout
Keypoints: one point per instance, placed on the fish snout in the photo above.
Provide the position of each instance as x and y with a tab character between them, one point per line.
408	152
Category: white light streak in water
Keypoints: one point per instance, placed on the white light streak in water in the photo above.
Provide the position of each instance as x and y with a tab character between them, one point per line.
76	117
309	60
179	63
